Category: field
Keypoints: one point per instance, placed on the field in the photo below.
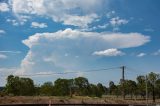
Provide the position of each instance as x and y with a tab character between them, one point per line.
68	100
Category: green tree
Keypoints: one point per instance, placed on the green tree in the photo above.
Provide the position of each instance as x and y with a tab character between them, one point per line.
37	90
9	88
62	87
118	90
130	87
82	86
152	78
19	86
101	88
141	85
106	91
158	88
112	88
95	91
26	86
46	89
13	85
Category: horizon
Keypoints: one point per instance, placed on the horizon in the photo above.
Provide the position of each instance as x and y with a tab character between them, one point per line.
50	36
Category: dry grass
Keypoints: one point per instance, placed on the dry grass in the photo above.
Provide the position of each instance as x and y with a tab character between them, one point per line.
68	100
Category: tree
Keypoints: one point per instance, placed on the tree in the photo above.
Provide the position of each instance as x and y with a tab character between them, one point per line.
26	87
101	88
141	85
10	85
46	89
106	90
19	86
37	90
62	87
130	87
13	85
112	88
152	78
158	88
82	86
95	91
118	90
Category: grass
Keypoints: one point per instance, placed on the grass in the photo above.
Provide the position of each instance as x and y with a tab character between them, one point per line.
69	100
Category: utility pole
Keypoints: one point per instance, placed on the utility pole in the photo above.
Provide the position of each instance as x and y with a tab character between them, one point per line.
123	79
146	91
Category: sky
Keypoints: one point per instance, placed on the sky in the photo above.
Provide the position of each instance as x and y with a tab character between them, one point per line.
59	36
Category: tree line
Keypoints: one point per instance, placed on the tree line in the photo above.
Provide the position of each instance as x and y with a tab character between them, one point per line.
80	86
19	86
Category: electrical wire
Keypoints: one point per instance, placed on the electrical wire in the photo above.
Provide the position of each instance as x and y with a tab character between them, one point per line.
71	72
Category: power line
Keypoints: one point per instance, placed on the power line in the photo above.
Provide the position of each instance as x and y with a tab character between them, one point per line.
131	69
71	72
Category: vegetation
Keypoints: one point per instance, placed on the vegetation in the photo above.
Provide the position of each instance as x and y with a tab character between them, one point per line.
80	86
19	86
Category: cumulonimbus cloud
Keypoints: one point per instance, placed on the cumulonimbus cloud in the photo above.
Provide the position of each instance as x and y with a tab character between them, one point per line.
47	51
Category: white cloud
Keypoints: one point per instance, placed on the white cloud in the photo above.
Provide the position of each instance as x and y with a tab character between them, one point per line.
118	40
16	52
141	54
148	29
2	31
116	29
4	73
76	56
110	14
26	64
38	25
66	54
49	7
94	27
7	71
13	22
81	21
103	26
20	20
59	10
80	74
109	52
45	73
4	7
2	56
47	50
116	21
157	53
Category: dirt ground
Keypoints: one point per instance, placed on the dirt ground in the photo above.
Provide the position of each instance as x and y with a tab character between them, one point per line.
68	100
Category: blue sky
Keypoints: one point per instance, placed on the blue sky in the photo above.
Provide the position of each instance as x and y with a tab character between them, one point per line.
51	36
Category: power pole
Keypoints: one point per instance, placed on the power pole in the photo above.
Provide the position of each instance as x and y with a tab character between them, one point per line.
146	91
123	79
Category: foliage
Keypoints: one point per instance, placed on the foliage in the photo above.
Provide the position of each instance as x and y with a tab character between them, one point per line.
152	79
112	88
19	86
141	84
80	86
62	87
130	87
47	89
